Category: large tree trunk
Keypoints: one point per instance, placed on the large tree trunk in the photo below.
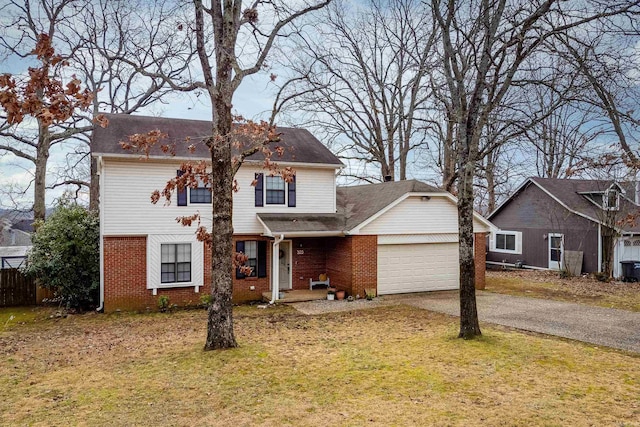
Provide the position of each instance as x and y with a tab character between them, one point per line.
220	333
220	321
469	326
40	180
94	187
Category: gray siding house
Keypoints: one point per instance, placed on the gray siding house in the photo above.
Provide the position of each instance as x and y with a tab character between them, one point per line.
546	218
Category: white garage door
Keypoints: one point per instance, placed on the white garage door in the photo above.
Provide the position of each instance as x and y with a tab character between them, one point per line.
417	267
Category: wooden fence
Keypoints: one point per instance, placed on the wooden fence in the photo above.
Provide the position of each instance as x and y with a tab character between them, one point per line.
16	289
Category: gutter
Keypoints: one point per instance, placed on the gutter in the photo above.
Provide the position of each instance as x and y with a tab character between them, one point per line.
101	219
275	273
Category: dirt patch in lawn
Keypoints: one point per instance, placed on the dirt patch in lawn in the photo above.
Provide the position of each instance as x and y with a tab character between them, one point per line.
548	284
394	365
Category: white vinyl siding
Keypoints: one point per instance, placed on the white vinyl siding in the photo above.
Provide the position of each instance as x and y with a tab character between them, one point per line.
416	216
128	184
155	259
417	267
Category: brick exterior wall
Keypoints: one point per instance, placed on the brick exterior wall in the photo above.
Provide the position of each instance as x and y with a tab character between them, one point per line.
309	261
125	278
480	258
350	262
339	262
364	264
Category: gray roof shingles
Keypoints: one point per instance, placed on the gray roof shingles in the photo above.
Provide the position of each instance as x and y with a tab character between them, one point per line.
568	191
300	146
355	204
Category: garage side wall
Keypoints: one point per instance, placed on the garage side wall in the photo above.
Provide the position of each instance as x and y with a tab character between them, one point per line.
364	264
339	262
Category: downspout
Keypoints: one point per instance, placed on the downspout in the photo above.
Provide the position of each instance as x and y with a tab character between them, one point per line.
101	218
275	273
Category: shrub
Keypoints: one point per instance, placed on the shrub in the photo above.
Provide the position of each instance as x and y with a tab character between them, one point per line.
163	303
65	256
205	300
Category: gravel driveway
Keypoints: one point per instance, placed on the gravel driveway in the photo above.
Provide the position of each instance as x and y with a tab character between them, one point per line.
597	325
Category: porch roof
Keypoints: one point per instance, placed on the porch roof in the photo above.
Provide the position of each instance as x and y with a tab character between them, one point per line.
302	225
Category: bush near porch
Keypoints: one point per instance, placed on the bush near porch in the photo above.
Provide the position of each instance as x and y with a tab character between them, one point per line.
549	285
385	366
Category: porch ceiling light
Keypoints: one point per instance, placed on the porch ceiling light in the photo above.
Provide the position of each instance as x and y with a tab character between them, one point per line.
425	198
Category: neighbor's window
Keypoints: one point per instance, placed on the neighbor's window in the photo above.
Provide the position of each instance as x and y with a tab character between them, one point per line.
176	263
611	199
251	251
275	190
507	241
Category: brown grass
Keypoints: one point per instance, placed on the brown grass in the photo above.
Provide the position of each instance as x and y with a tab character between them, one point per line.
549	285
384	366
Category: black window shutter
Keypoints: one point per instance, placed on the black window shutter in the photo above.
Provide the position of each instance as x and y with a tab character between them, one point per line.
259	189
182	194
239	248
292	193
262	258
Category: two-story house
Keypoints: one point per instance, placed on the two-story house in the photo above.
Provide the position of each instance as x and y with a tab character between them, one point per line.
546	219
391	237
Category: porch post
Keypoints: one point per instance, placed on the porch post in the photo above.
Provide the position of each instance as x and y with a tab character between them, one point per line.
275	270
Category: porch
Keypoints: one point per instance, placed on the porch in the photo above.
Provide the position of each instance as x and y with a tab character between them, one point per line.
297	295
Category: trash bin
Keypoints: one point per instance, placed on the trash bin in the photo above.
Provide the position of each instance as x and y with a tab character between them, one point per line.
630	271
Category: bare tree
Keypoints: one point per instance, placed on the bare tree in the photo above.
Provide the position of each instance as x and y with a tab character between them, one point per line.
484	45
238	37
34	145
87	34
358	81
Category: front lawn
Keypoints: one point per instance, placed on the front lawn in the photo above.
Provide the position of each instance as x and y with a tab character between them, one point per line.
385	366
549	285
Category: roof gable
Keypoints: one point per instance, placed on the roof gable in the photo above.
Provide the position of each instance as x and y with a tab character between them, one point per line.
572	194
300	146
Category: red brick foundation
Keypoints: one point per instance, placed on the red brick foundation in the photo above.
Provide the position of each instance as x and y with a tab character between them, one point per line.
125	278
480	258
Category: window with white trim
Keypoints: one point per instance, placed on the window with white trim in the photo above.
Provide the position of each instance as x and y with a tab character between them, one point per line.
275	190
175	263
507	242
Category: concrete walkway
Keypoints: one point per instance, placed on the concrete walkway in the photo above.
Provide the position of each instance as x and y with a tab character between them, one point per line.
597	325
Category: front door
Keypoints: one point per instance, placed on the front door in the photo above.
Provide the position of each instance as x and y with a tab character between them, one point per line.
556	251
284	263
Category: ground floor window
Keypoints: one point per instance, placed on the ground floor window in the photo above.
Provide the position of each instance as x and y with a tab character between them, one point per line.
507	242
256	252
176	263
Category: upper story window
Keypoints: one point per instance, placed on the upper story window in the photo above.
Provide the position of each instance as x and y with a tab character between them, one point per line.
273	190
611	200
200	195
507	242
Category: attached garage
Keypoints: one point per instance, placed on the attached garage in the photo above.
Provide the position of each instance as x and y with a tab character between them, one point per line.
417	267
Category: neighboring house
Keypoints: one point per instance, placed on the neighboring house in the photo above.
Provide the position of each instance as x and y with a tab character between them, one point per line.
545	218
392	237
14	244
